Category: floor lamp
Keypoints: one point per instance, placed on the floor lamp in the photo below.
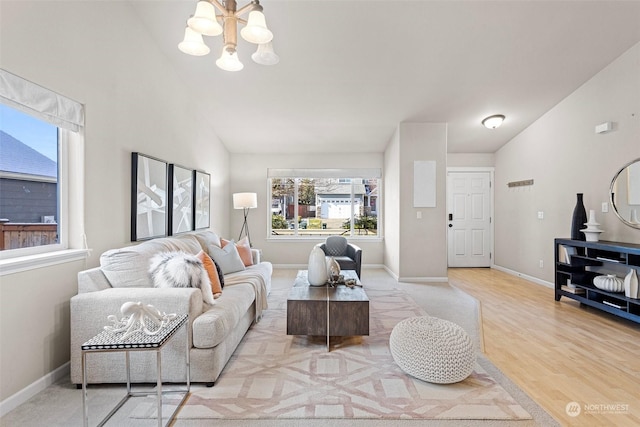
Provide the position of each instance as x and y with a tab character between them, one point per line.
245	201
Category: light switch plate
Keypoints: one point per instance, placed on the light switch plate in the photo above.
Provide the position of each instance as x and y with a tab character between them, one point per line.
605	207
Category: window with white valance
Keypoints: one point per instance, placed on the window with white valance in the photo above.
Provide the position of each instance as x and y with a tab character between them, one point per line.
41	173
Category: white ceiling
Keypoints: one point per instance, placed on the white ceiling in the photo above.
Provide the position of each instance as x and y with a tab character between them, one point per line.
351	71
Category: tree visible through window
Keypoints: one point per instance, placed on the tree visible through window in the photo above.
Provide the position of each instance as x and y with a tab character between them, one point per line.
324	206
29	193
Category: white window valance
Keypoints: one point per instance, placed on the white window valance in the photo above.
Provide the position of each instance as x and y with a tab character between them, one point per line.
366	173
40	102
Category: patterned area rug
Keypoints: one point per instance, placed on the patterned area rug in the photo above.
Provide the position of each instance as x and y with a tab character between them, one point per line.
276	376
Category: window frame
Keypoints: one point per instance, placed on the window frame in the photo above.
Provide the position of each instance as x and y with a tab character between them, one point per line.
346	174
68	116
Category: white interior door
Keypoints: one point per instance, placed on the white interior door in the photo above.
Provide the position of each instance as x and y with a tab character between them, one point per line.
469	235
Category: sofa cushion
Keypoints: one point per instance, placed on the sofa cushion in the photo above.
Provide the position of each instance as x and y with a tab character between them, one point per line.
128	266
208	239
213	326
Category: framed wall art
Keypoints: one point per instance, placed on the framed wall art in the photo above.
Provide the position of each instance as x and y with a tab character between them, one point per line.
201	188
181	191
149	182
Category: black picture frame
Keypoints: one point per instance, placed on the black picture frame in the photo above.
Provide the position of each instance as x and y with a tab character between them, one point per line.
149	189
201	200
181	195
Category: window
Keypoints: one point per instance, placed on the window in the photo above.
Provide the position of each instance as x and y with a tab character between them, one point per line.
29	205
41	175
320	203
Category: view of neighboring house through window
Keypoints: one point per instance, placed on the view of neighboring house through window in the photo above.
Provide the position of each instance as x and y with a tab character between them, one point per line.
29	194
311	206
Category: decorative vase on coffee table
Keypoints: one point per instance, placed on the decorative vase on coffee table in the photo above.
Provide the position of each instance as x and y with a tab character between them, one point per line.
578	219
317	269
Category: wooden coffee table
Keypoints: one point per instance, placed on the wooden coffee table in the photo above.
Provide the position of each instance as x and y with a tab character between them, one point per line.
331	311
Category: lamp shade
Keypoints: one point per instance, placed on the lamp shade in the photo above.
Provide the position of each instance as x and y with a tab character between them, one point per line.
265	55
256	30
229	61
204	20
245	200
493	122
192	43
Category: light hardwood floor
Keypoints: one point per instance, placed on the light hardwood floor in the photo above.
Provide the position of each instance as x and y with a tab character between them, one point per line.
558	352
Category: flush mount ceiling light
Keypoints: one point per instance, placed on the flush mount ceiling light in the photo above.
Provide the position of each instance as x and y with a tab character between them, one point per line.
206	22
493	122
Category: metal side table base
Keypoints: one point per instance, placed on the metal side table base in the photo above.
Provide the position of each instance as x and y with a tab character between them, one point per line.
108	342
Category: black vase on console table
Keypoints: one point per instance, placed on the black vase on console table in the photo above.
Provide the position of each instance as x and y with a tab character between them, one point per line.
579	219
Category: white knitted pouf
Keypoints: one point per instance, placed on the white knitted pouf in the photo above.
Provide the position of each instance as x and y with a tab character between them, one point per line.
432	349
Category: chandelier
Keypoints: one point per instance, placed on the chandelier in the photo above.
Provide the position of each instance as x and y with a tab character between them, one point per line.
205	22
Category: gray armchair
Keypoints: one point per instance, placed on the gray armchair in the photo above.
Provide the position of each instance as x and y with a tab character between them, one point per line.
348	255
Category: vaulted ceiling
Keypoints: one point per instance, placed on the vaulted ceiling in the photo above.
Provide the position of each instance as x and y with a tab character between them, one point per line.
351	71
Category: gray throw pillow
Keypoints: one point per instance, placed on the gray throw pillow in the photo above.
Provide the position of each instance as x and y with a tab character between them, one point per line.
227	258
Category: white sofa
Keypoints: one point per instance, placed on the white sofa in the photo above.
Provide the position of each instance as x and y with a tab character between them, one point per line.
214	331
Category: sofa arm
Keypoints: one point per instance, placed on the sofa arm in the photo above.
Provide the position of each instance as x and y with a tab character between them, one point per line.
89	313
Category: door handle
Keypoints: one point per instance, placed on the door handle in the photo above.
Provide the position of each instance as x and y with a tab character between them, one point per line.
450	217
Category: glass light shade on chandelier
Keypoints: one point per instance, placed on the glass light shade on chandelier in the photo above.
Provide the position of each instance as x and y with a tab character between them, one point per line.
204	20
229	61
265	55
193	44
256	30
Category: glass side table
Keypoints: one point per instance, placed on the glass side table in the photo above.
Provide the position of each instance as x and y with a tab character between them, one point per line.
109	342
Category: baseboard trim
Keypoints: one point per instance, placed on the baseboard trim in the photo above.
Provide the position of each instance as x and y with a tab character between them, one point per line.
524	276
12	402
423	279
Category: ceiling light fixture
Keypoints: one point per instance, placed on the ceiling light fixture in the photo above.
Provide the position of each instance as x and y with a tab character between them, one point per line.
205	22
494	121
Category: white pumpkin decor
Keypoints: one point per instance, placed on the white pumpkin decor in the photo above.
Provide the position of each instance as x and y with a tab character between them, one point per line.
610	283
317	269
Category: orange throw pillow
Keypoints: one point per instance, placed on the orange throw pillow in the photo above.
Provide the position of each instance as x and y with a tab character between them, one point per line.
212	272
244	250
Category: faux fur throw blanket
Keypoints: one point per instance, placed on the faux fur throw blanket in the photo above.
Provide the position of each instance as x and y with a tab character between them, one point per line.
180	270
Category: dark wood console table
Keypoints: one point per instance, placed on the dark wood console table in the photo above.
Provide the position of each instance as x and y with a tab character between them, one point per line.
576	264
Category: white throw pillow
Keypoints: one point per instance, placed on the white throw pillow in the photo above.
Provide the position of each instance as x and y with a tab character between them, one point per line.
227	258
180	270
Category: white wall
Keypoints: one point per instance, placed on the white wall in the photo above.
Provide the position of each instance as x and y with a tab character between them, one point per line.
248	173
471	159
419	244
564	156
134	102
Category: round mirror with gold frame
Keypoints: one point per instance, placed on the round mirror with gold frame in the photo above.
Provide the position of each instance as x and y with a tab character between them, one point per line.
625	194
